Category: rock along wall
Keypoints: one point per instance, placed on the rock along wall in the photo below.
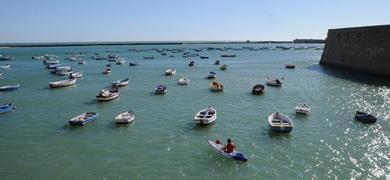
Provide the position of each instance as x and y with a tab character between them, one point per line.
365	49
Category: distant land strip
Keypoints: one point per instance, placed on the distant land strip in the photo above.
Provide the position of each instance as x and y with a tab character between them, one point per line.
57	44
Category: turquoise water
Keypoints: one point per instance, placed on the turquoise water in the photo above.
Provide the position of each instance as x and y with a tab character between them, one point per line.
163	143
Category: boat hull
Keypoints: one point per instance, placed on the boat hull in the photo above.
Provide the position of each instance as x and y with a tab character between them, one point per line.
365	118
109	98
83	122
234	155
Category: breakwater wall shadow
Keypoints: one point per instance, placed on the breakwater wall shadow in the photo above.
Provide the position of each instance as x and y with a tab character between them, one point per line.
351	75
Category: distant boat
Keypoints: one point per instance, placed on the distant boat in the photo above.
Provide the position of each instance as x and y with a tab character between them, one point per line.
219	148
53	66
75	75
170	72
125	117
223	67
107	71
228	55
135	63
216	62
364	117
121	82
206	116
63	83
279	122
183	81
48	62
120	61
84	118
149	57
82	62
191	63
258	89
5	58
107	95
203	57
273	82
302	109
64	72
5	66
160	89
289	66
10	87
211	75
4	108
216	86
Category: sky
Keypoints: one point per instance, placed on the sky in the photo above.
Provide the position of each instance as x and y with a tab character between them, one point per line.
182	20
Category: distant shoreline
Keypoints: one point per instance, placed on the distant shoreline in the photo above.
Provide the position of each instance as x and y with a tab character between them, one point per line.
59	44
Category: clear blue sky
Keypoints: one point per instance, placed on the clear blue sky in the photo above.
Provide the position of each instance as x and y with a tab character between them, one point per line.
172	20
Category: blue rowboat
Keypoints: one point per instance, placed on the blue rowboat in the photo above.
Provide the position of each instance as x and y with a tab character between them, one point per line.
84	118
4	108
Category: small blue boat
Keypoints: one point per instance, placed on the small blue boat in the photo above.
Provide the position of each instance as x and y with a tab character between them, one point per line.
364	117
4	108
211	75
9	88
84	118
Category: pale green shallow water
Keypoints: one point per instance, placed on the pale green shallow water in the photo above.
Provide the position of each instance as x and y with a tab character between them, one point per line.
162	143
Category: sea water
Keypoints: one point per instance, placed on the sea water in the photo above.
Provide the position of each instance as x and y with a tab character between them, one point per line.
164	143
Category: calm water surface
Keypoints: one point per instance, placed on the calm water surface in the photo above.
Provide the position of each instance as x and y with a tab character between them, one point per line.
163	143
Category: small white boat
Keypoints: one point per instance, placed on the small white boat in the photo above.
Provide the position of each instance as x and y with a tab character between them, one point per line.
302	109
64	72
279	122
216	86
48	62
107	95
206	116
170	72
273	82
120	61
63	83
9	87
7	66
82	62
121	82
125	117
75	75
183	81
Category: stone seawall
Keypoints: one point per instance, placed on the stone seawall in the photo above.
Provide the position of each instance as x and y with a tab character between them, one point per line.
364	49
